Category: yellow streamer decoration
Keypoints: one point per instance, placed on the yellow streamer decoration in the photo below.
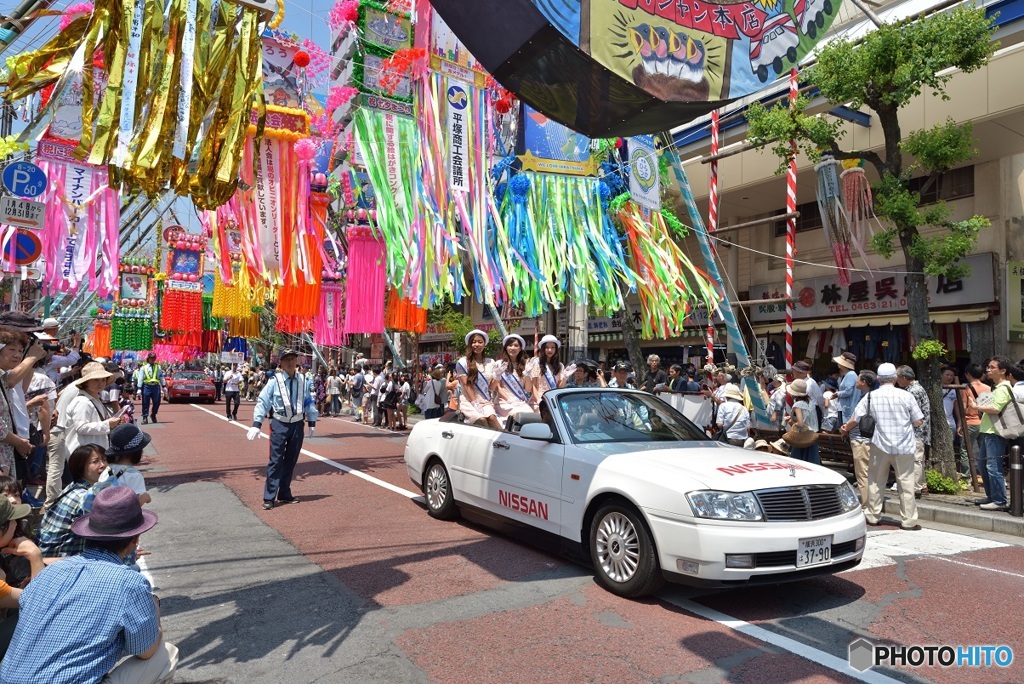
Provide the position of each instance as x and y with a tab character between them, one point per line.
227	88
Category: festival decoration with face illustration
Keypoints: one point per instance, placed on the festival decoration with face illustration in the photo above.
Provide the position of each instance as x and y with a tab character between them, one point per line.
675	59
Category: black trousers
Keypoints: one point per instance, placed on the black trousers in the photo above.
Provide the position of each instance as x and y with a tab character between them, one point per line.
285	444
228	398
218	386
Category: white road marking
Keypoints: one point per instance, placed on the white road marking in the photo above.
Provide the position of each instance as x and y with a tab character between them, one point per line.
883	547
334	464
795	647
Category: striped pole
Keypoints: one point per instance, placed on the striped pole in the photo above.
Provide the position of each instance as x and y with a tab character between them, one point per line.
724	306
713	217
790	228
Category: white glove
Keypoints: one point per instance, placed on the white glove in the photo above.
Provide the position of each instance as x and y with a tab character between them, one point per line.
311	431
253	433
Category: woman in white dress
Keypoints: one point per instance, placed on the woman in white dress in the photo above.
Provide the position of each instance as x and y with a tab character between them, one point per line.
474	373
546	370
513	387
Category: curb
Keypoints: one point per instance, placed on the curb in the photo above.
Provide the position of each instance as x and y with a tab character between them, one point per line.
960	514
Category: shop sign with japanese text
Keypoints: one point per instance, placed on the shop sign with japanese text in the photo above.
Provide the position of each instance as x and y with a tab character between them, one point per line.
882	291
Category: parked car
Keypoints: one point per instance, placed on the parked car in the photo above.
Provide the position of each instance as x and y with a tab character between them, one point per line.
190	386
621	478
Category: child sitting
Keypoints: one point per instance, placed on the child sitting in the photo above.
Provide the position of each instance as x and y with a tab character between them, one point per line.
127	442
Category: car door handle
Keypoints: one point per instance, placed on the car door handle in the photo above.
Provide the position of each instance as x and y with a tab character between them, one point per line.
448	434
501	445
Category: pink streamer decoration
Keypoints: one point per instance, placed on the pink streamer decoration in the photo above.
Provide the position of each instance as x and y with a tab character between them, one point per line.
328	325
364	296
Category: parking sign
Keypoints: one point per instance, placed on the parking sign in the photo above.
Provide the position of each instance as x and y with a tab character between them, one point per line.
24	179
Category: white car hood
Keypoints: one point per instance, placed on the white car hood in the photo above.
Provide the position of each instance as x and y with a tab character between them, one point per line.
709	466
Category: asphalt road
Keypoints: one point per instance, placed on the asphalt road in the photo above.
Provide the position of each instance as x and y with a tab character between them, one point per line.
357	584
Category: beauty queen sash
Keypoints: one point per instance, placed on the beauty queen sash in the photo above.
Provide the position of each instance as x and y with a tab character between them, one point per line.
512	382
552	383
481	384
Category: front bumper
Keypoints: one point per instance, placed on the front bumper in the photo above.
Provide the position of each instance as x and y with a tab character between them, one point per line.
693	551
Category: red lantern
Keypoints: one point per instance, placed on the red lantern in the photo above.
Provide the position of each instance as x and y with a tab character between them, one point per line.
302	59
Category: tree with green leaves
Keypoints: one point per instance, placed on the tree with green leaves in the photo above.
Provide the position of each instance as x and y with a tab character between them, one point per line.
884	71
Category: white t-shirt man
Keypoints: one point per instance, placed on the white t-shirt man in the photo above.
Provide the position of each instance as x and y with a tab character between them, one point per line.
232	378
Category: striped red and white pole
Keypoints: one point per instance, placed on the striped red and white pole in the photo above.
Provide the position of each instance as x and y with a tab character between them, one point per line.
790	228
713	215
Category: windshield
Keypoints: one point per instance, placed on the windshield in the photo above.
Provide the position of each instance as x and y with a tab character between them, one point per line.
603	417
194	376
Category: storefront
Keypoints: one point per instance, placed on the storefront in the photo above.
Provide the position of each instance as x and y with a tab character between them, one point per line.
604	339
869	316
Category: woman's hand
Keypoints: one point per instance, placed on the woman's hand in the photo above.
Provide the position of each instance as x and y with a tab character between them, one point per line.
114	421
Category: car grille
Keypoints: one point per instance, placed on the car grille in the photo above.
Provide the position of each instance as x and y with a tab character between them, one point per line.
777	559
799	503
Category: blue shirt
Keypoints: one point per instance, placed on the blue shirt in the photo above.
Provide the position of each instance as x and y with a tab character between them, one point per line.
849	395
78	618
271	403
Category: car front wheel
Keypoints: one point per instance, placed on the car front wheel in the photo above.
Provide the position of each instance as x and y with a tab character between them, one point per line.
437	489
623	553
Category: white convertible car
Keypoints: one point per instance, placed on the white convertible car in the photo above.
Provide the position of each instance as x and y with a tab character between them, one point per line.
621	478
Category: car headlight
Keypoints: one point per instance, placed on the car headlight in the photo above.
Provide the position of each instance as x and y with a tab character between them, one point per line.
725	505
848	498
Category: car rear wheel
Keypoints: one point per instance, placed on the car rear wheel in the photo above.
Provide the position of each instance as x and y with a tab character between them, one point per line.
623	553
437	489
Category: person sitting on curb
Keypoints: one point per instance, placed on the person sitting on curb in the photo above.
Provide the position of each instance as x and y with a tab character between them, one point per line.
80	616
18	546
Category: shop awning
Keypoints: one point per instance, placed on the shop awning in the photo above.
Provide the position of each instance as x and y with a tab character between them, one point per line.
779	327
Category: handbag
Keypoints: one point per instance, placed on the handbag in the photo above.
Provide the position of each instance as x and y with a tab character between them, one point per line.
800	438
723	436
866	424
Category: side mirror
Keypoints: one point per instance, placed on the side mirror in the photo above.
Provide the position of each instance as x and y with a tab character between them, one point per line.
538	431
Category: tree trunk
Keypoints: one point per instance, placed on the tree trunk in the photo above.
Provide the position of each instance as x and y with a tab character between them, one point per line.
929	372
632	341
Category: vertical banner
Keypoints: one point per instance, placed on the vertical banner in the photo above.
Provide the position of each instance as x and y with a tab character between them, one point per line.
1014	301
644	180
78	187
458	102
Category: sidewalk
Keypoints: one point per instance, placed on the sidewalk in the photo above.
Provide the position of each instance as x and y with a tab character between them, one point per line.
959	510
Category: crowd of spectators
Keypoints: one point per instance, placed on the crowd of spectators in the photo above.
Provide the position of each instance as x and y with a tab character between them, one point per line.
71	515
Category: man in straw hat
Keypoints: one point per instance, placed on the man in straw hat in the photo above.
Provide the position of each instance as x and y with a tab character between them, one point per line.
80	616
733	417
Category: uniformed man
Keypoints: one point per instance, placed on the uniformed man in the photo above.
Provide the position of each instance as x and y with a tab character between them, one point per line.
287	400
150	381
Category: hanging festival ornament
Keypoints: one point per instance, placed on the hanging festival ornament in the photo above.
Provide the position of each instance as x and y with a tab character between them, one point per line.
366	282
859	206
131	324
835	222
181	309
199	80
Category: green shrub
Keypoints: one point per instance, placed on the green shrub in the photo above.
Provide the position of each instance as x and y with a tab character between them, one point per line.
939	484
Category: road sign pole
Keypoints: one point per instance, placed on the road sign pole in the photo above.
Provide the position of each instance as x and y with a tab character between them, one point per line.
16	294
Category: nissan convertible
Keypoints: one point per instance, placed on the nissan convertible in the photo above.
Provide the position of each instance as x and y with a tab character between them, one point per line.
621	478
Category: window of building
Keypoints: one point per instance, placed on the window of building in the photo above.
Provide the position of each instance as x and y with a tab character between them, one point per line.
951	185
809	219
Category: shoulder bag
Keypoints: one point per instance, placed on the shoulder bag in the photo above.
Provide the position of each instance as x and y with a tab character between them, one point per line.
866	425
1010	424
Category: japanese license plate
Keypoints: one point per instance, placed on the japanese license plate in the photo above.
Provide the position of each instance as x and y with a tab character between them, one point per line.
814	551
193	394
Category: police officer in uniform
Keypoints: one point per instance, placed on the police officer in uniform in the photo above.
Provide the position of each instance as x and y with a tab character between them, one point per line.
287	399
151	380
